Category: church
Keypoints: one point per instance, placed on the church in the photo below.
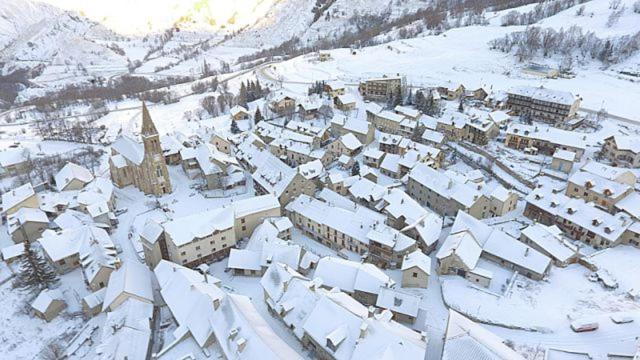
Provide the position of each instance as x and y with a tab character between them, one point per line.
140	164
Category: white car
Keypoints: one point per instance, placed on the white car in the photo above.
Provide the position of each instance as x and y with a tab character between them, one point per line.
584	325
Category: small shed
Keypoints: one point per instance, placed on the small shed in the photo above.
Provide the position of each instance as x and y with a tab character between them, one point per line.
48	304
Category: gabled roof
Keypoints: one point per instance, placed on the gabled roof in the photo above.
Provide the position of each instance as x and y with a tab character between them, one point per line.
14	197
186	229
132	278
70	172
417	259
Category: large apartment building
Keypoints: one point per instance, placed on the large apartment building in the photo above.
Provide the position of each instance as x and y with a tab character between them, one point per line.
379	89
546	105
622	150
206	236
545	140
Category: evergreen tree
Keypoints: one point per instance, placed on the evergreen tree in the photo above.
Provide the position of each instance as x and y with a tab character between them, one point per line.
355	169
35	272
461	104
234	127
409	99
241	99
419	100
257	117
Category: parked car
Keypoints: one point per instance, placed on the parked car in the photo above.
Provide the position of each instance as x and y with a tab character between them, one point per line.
621	318
584	325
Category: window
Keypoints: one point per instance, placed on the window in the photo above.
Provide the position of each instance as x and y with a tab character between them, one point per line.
183	253
242	221
197	247
415	274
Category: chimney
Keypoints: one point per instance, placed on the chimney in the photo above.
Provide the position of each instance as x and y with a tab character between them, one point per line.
216	303
233	333
423	335
363	329
241	343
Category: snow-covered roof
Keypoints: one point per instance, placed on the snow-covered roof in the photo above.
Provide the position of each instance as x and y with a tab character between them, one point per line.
15	196
357	126
407	111
273	174
129	148
350	276
243	259
432	136
466	222
23	216
133	278
597	184
95	298
417	259
71	219
126	333
391	163
96	251
100	190
311	169
608	172
255	205
238	110
627	143
499	116
205	311
549	134
551	239
45	298
500	193
186	229
443	185
465	339
346	99
276	279
630	204
70	172
544	94
398	302
565	155
373	153
367	190
170	145
13	156
464	246
505	247
350	141
586	215
12	251
391	116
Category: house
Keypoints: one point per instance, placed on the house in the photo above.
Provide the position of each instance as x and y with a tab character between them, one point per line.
86	246
363	130
465	339
563	160
239	113
432	137
334	88
546	140
387	121
361	280
131	281
310	107
221	143
416	269
12	253
48	304
502	201
72	177
295	153
546	105
171	149
345	102
406	215
14	161
92	303
403	306
342	224
601	191
623	151
347	144
550	241
373	157
471	239
335	326
480	131
324	56
21	197
27	224
267	245
445	195
272	176
209	316
380	89
140	165
217	169
580	220
206	236
450	90
282	103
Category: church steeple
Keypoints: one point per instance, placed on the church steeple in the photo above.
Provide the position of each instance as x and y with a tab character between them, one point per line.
148	127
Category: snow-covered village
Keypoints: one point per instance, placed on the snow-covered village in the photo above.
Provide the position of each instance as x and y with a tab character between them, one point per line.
320	179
